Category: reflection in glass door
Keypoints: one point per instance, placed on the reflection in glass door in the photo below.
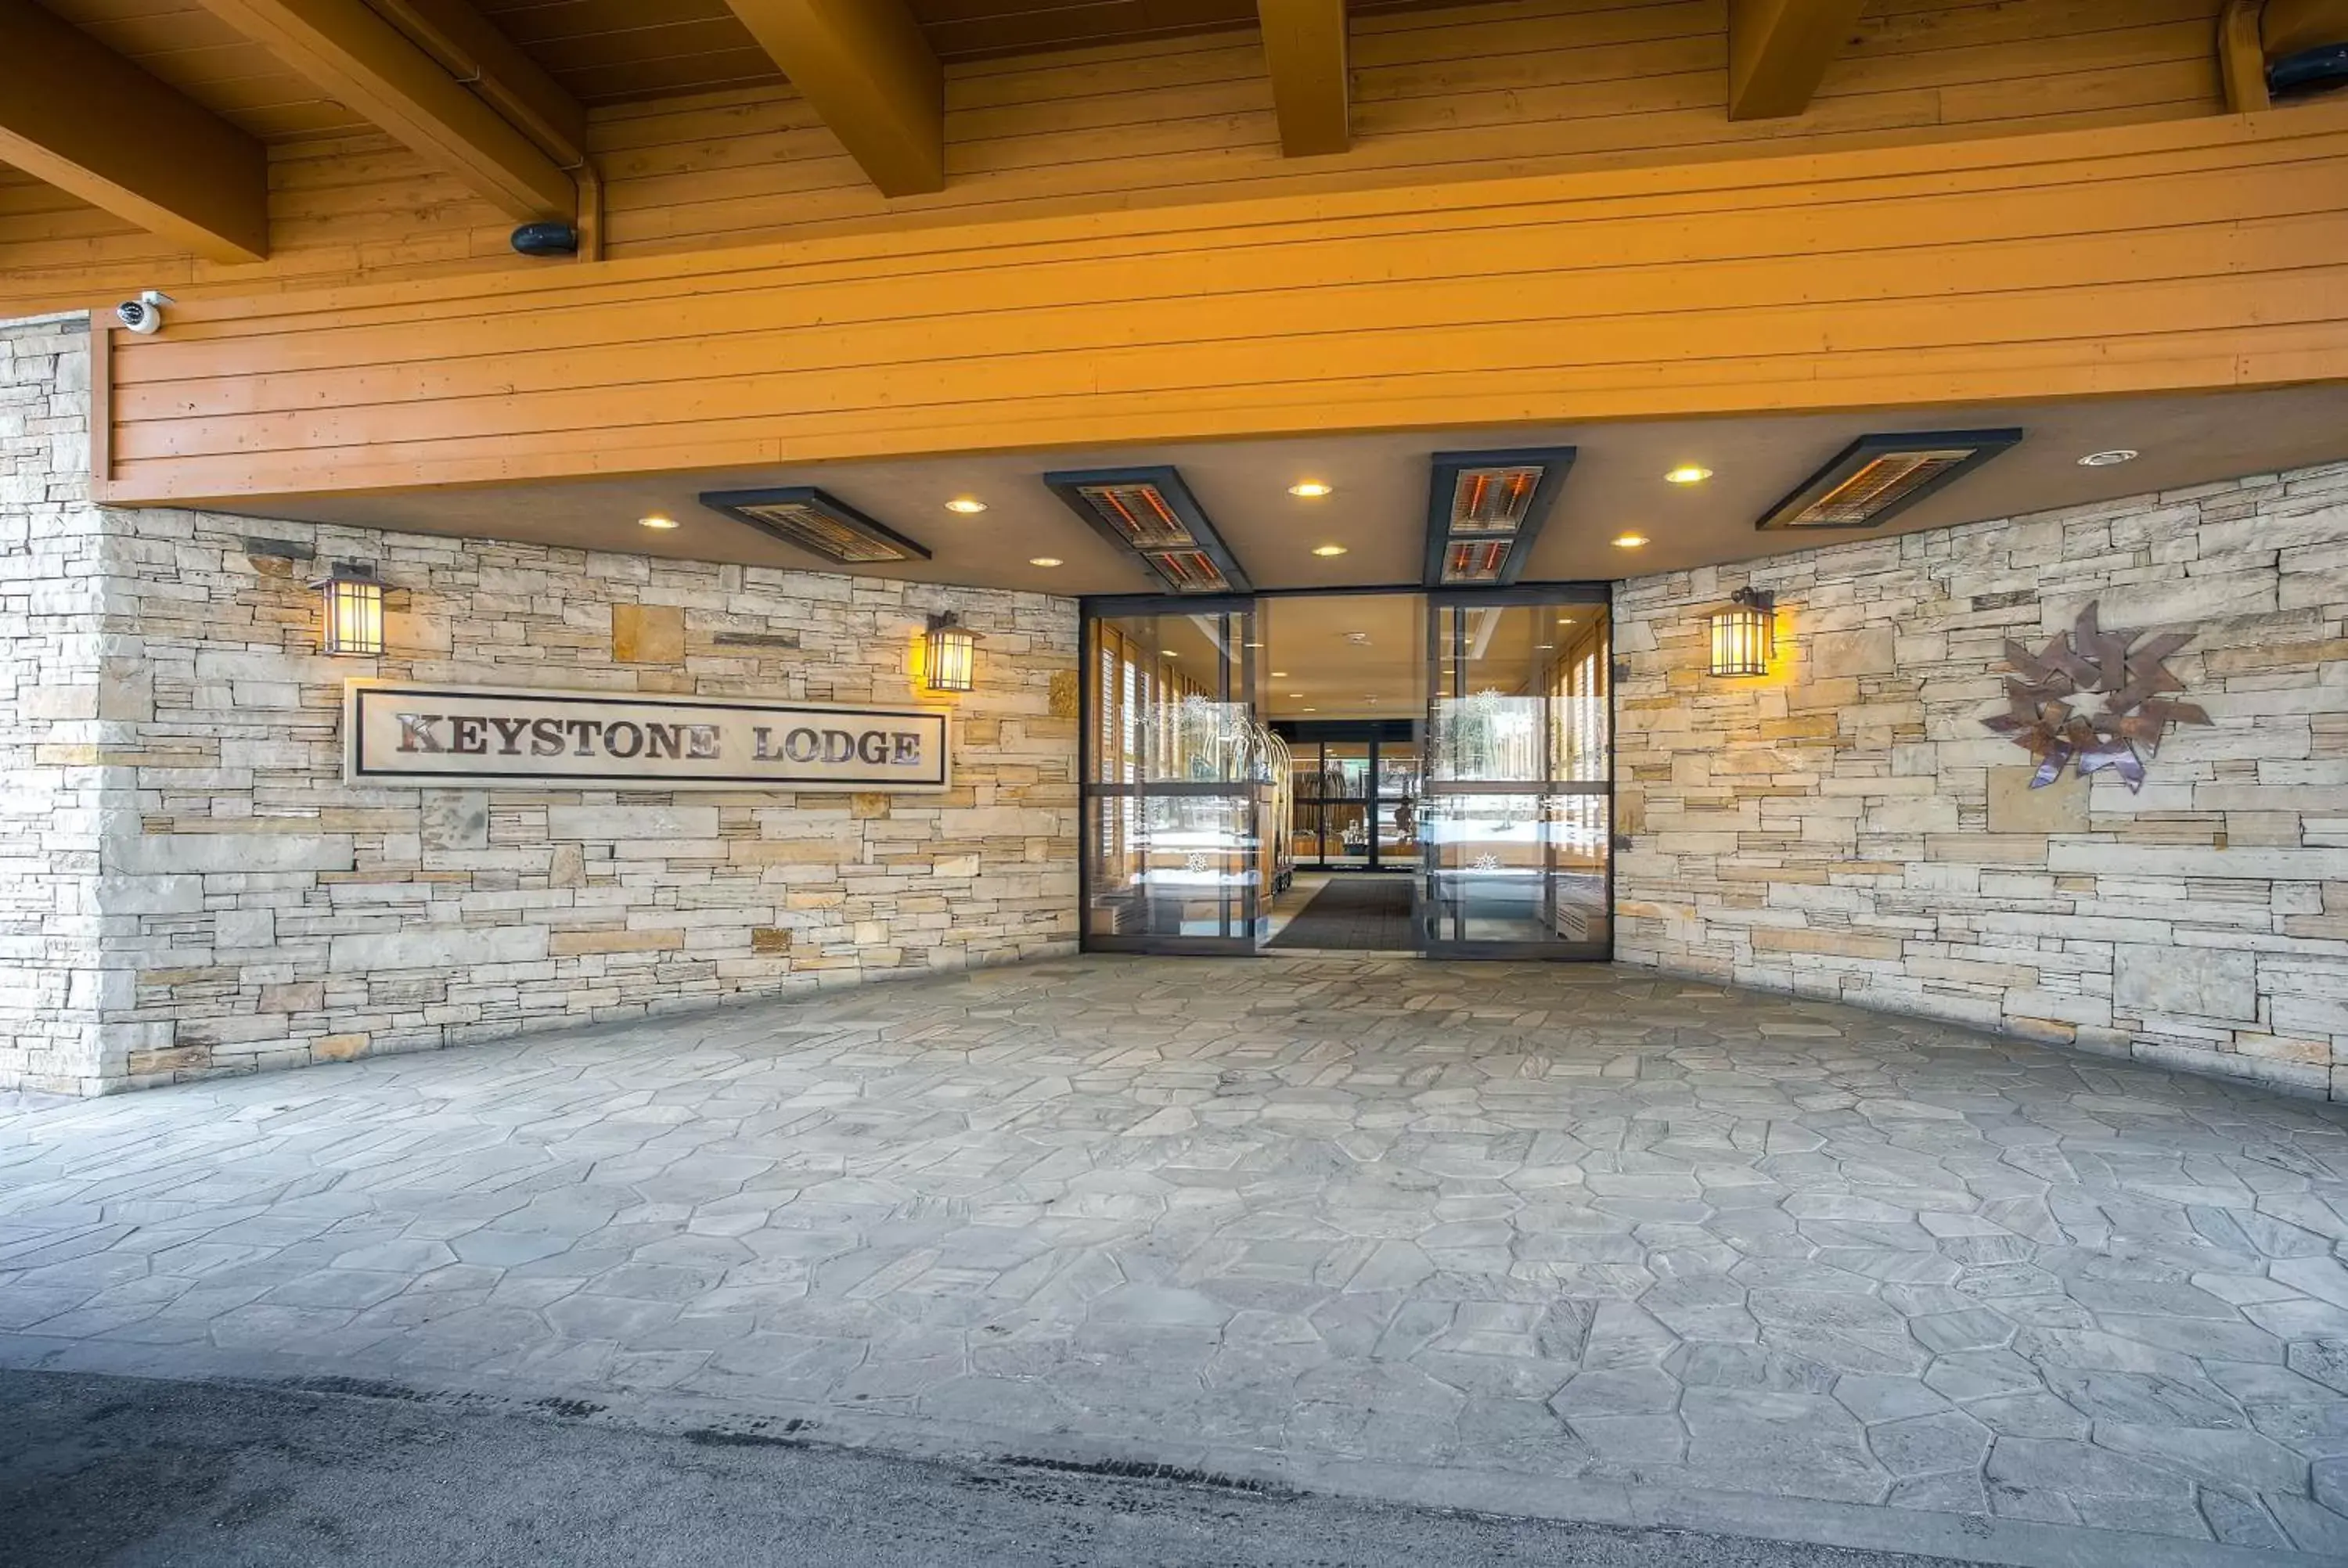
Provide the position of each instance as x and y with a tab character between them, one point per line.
1177	780
1515	808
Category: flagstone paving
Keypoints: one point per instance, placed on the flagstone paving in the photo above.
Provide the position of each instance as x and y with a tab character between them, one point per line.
1569	1222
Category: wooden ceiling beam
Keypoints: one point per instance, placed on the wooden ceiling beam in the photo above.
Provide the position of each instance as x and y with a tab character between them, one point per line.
348	51
81	117
470	47
1778	51
867	69
1304	45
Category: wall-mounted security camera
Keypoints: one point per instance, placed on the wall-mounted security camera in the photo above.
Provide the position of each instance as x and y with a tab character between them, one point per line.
143	315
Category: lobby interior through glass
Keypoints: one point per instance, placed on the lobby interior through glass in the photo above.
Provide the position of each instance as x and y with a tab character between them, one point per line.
1411	770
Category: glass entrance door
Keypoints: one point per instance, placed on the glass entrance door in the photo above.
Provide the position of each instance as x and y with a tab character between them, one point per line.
1515	815
1356	796
1178	779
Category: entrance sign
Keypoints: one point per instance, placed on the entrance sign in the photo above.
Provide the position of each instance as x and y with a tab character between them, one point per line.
397	734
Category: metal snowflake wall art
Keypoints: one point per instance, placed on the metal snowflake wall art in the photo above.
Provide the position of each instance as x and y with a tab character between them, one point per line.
2131	677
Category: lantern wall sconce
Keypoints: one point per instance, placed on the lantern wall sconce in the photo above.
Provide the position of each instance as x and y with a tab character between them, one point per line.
950	654
1745	635
353	597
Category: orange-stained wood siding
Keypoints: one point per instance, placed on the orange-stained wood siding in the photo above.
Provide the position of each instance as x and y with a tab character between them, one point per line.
1531	86
2210	253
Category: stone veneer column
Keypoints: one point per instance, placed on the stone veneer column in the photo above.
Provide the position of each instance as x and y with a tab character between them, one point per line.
188	888
1847	829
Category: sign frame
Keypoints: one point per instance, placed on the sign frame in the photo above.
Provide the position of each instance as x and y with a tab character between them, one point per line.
360	768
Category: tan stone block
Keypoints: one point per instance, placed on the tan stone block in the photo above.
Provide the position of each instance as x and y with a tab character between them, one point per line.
648	633
1065	684
2269	827
1838	944
567	868
339	1047
1987	848
1867	651
770	940
2015	807
571	944
174	1059
1812	694
868	807
784	852
2279	1048
2273	656
305	995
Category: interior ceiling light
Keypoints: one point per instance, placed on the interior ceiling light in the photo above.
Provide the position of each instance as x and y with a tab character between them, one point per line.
1311	490
1280	674
1689	474
1628	541
807	519
1484	509
1874	478
966	504
1152	513
1328	549
2110	459
660	520
1044	560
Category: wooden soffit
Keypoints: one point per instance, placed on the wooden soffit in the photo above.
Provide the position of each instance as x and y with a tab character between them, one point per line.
2182	256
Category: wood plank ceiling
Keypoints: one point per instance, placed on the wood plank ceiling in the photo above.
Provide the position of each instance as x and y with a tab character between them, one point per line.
496	92
613	51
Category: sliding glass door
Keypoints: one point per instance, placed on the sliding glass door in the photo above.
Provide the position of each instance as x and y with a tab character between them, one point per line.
1515	810
1178	779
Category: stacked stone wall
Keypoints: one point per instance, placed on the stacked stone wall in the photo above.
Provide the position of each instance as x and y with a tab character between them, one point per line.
1846	827
189	888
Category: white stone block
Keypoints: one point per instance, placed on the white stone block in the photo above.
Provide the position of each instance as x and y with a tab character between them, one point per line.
2198	982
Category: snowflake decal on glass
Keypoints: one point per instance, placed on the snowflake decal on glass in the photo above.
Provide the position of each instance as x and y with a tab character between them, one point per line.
1197	863
1485	862
2130	676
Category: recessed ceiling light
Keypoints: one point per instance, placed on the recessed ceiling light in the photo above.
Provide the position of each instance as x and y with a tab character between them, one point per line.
1044	560
1628	541
1169	653
1280	674
1310	489
660	520
1296	693
1311	710
1565	620
970	504
1546	647
1689	474
2110	459
1328	549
